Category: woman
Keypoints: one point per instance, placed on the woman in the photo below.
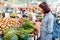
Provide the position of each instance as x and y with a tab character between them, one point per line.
47	22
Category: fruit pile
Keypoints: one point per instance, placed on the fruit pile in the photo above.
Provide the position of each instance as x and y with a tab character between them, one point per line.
7	23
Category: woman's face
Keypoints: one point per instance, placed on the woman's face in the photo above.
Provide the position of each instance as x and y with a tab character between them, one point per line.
41	10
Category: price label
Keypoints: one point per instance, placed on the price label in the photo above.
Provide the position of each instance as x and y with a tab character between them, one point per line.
7	15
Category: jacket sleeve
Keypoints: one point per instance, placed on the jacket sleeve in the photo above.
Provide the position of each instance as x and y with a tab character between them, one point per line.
50	25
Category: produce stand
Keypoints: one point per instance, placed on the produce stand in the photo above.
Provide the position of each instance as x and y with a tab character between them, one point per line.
12	25
15	26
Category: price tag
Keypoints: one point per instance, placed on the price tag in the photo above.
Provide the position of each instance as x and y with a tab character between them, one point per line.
7	15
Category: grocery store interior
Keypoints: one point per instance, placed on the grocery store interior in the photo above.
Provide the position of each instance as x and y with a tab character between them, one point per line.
29	19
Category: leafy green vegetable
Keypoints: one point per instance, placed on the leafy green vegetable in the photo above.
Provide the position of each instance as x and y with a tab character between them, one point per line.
28	31
27	25
6	31
1	38
25	20
10	37
25	30
15	37
11	31
23	36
